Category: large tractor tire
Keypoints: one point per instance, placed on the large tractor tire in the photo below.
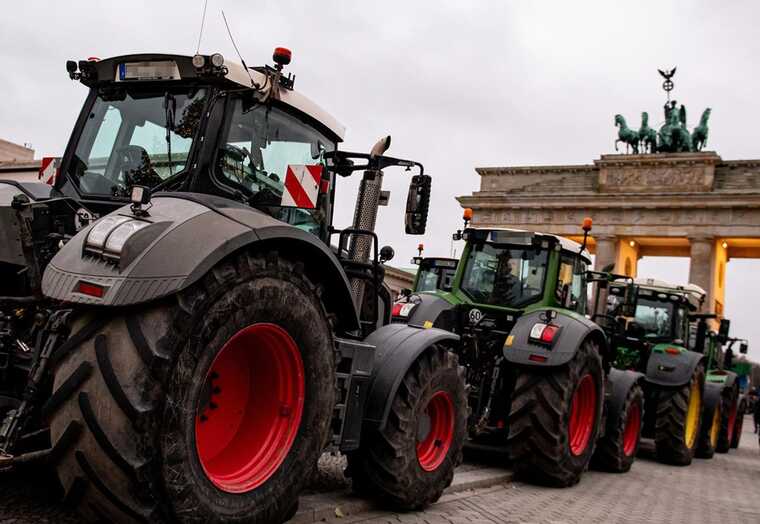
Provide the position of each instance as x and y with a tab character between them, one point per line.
728	421
411	461
708	433
736	437
211	406
616	451
678	421
555	419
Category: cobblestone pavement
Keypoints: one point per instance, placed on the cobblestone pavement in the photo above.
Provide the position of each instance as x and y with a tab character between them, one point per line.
723	490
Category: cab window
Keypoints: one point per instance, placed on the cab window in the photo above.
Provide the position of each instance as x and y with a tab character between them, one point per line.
571	284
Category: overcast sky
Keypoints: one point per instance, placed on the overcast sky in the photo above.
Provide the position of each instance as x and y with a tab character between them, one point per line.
456	84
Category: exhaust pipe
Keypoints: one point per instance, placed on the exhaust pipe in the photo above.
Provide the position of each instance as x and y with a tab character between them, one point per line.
365	216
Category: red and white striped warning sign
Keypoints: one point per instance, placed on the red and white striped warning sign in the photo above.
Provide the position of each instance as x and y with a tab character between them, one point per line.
301	186
49	170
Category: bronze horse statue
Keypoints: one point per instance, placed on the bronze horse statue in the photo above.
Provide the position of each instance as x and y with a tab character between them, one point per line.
647	135
699	135
626	135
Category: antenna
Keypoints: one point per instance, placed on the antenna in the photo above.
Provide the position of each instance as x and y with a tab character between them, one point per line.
203	21
253	84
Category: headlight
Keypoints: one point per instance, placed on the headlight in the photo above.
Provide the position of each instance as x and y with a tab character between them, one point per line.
121	234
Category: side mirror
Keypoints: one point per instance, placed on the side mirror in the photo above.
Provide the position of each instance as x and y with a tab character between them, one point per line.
608	268
386	254
417	204
743	348
630	301
725	326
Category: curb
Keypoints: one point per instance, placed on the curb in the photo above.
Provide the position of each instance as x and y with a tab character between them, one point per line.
338	504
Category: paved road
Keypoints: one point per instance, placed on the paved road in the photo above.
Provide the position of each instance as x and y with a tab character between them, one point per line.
651	493
723	490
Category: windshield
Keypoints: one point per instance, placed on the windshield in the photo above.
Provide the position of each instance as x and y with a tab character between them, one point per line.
432	277
505	276
134	137
660	319
275	157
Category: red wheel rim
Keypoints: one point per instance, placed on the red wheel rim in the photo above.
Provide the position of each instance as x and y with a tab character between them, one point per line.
250	408
582	415
631	431
732	420
435	431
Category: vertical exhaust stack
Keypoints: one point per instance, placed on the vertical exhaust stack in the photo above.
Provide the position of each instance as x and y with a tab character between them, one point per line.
365	215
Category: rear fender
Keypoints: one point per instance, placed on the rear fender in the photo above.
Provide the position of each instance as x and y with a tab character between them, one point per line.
711	398
665	369
189	234
574	330
726	378
397	347
620	382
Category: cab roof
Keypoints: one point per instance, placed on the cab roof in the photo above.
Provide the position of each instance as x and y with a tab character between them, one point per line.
565	243
235	73
692	292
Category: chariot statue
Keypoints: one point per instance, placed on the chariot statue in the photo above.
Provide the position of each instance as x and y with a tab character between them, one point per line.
673	135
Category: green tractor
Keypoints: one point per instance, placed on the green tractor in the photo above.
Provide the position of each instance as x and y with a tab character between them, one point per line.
722	388
743	369
665	339
537	369
433	272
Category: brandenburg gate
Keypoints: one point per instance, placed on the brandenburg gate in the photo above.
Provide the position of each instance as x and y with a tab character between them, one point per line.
684	204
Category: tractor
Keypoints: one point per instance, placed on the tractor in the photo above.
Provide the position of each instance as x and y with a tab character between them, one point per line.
656	342
722	388
537	369
181	338
434	273
743	369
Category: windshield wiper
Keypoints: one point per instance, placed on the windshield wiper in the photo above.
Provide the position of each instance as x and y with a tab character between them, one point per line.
170	107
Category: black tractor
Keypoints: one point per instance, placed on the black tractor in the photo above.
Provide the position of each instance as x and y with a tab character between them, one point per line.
183	331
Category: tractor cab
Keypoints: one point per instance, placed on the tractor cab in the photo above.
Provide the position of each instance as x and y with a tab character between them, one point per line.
518	270
659	321
434	273
200	124
505	272
204	124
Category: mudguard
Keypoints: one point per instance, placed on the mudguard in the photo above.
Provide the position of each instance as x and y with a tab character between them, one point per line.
671	369
712	397
36	191
574	330
727	379
427	310
620	382
397	347
188	234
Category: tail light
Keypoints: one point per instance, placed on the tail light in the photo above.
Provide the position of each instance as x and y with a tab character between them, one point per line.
93	290
544	333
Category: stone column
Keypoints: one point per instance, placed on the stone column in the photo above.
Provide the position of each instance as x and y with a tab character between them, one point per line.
701	268
606	251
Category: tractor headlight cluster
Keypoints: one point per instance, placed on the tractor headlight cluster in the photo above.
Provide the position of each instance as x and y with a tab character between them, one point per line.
109	235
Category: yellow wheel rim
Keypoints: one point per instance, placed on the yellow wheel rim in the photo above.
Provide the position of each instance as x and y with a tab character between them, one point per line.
715	428
692	415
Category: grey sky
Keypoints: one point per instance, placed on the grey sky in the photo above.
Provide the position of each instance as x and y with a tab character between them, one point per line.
457	84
